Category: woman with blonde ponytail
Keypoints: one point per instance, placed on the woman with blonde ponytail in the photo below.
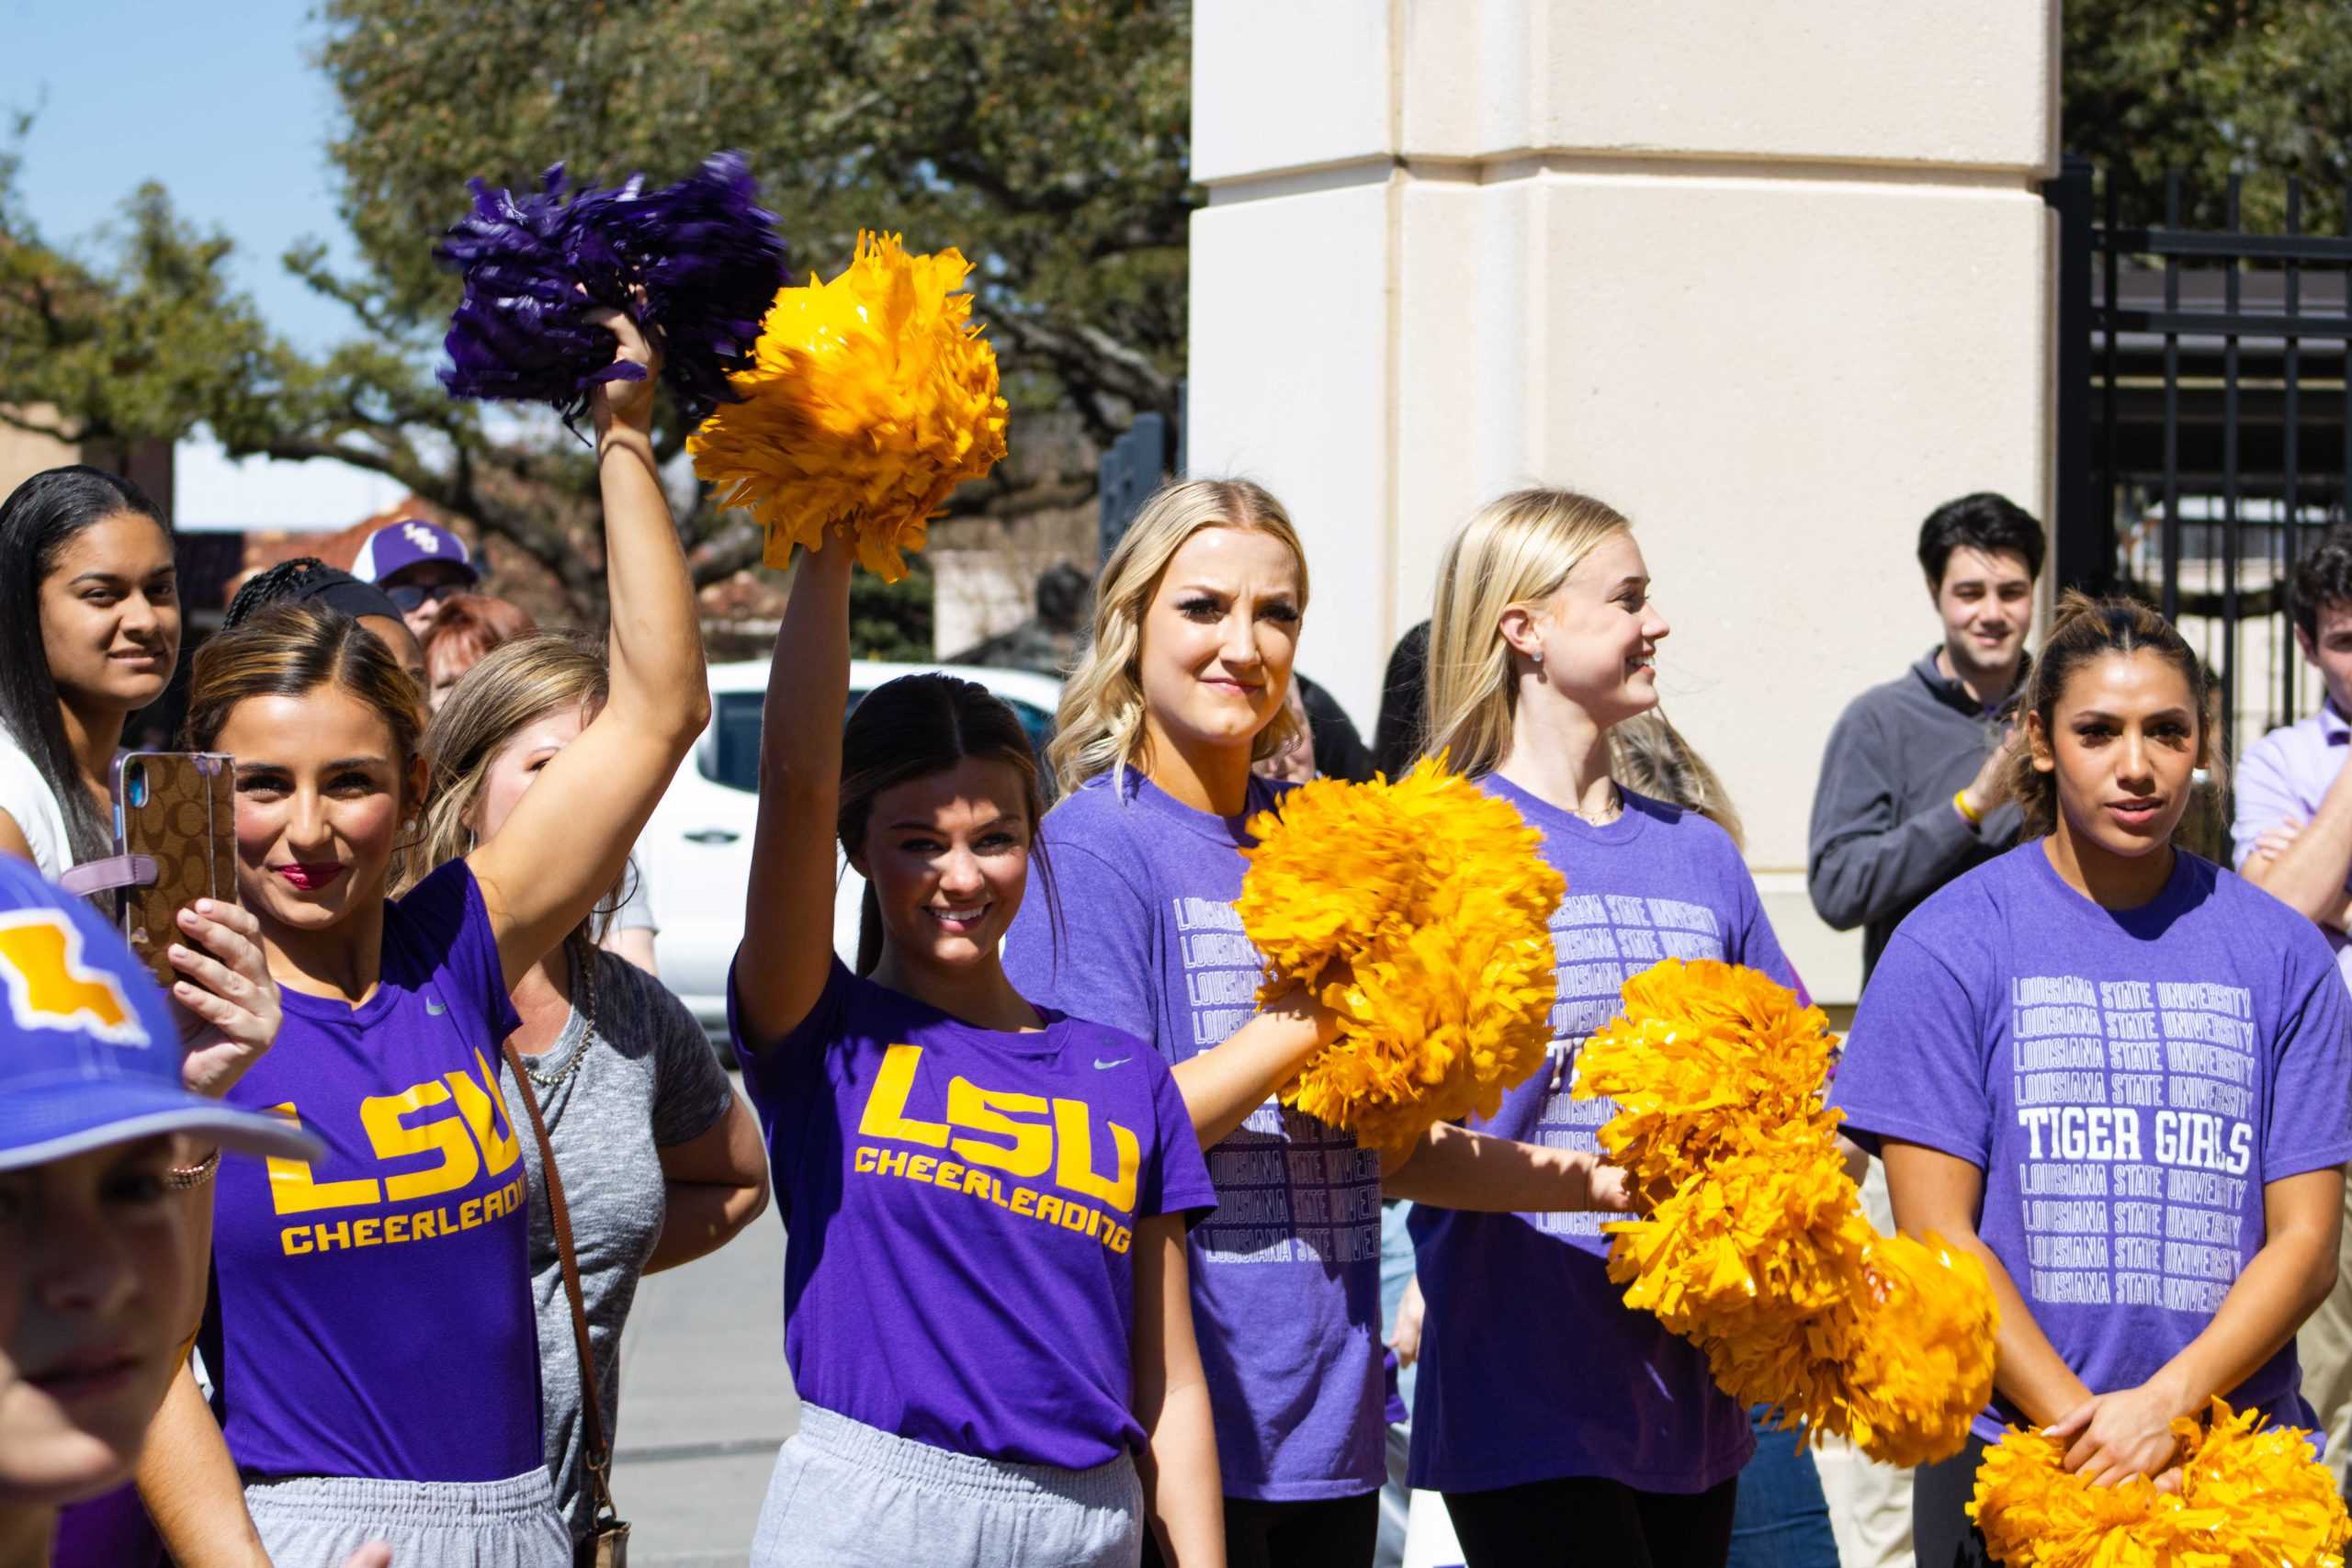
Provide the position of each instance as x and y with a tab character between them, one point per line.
1180	689
1562	1425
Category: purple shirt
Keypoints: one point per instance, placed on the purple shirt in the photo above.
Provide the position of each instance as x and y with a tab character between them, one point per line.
2127	1081
1533	1366
1287	1274
961	1206
371	1312
2286	774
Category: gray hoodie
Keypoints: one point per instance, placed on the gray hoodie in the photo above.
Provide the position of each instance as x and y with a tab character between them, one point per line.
1885	834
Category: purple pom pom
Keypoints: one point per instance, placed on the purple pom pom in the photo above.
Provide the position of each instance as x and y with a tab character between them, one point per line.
696	263
710	262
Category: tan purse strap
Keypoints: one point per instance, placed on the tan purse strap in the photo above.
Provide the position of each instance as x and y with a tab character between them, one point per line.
599	1452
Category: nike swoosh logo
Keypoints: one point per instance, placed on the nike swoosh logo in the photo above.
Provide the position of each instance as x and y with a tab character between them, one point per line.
435	1008
1102	1066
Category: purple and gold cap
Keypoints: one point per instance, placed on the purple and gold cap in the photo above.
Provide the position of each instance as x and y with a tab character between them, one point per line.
89	1052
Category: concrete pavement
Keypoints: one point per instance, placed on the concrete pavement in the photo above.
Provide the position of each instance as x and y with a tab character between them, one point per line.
705	1401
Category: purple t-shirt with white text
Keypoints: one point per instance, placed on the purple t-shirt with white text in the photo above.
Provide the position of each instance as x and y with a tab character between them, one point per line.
960	1206
1533	1366
2127	1081
1286	1273
371	1311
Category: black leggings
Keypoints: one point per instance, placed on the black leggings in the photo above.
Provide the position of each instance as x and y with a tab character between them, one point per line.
1940	1526
1333	1532
1583	1519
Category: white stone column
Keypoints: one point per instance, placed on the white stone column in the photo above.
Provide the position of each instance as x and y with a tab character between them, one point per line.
1772	276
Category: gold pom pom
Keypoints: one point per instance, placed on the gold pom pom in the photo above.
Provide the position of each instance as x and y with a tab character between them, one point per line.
1756	1248
2249	1497
1421	912
873	397
1918	1360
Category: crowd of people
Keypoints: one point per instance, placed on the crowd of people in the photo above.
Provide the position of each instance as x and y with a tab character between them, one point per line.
1066	1284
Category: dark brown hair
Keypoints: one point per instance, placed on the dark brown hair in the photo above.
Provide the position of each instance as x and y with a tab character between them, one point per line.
2085	629
910	728
38	519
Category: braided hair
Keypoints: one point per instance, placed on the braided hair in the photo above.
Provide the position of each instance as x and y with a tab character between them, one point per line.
285	581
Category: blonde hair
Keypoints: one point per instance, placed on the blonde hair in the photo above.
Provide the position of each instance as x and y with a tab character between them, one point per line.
514	684
1100	728
1648	755
1516	550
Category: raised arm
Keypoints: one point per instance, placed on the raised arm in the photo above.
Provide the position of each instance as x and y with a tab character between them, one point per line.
569	836
788	916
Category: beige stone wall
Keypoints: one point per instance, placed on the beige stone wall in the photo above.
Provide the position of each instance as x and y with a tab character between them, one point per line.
23	453
1772	277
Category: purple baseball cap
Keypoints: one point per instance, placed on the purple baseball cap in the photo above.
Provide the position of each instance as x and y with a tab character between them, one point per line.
89	1053
396	546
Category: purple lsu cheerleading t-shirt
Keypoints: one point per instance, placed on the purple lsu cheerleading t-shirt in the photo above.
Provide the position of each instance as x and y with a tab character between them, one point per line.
961	1207
371	1311
1533	1366
2126	1079
1286	1273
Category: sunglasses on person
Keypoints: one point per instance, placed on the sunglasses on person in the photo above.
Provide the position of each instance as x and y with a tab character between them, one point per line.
411	596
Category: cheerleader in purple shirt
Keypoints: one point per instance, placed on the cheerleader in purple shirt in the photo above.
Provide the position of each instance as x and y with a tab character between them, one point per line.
986	1302
1561	1425
370	1327
1181	688
2117	1074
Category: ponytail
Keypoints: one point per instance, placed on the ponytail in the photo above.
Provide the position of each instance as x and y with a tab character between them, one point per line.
2086	629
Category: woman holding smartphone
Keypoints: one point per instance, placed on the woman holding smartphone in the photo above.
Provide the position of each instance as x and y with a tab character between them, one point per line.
371	1325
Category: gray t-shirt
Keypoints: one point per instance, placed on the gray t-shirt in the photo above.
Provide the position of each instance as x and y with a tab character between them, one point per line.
645	1080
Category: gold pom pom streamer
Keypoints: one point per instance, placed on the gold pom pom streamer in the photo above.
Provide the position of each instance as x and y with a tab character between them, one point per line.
2250	1496
1420	911
1756	1248
871	398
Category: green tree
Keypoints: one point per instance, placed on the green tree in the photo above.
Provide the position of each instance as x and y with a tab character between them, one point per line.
2210	88
1047	141
146	345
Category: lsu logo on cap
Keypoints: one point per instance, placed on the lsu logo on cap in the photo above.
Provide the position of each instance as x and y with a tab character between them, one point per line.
423	539
51	988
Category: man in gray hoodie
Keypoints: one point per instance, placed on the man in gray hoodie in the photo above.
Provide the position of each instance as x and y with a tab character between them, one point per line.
1915	784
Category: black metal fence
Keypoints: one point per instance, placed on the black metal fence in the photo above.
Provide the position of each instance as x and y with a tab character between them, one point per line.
2201	419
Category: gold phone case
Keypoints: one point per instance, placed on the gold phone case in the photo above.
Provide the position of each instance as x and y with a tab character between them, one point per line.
179	809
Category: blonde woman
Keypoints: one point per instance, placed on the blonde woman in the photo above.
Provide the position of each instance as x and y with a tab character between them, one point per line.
1181	690
660	1162
1560	1425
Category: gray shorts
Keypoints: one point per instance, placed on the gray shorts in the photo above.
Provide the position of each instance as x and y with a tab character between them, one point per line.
316	1521
849	1495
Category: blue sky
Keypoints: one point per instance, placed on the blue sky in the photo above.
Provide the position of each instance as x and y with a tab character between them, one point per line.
222	105
219	103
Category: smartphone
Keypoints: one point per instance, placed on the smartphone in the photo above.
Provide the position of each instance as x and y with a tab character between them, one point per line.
180	809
